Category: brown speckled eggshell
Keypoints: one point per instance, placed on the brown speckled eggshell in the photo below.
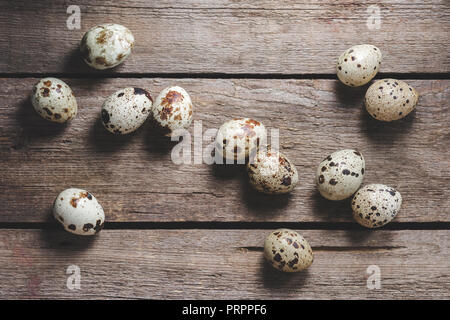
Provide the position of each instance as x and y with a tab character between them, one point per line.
376	205
390	99
172	109
106	45
54	100
238	138
271	172
358	65
287	251
340	174
79	212
126	110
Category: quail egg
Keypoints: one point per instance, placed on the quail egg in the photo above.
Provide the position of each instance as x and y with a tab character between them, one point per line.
375	205
172	109
271	172
126	110
106	45
286	250
54	100
390	99
237	139
358	65
340	174
79	212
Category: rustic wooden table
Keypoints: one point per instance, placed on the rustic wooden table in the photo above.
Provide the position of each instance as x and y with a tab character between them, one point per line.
197	231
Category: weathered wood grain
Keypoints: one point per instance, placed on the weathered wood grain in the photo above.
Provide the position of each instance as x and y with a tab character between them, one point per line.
221	264
135	180
291	37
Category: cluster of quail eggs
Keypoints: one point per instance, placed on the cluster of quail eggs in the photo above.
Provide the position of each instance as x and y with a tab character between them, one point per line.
243	140
341	174
386	99
102	47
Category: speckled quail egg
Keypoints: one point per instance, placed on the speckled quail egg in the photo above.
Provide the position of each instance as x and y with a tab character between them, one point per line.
340	174
106	45
79	212
172	109
54	100
126	110
375	205
286	250
237	139
358	65
390	99
271	172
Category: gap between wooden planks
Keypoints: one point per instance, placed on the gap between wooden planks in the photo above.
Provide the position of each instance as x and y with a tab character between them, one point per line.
135	180
294	37
224	264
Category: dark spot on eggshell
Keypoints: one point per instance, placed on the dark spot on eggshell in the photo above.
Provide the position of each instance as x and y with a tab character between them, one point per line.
47	83
105	116
87	227
286	181
98	226
333	182
166	112
57	116
277	257
45	92
101	60
72	227
346	172
74	202
142	91
321	179
48	111
120	94
293	262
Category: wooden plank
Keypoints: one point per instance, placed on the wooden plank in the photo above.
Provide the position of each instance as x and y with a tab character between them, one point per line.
135	180
222	264
224	36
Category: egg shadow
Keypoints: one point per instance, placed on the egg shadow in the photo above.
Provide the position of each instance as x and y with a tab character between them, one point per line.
385	132
62	242
349	97
274	279
262	204
330	210
104	141
33	126
74	63
156	139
